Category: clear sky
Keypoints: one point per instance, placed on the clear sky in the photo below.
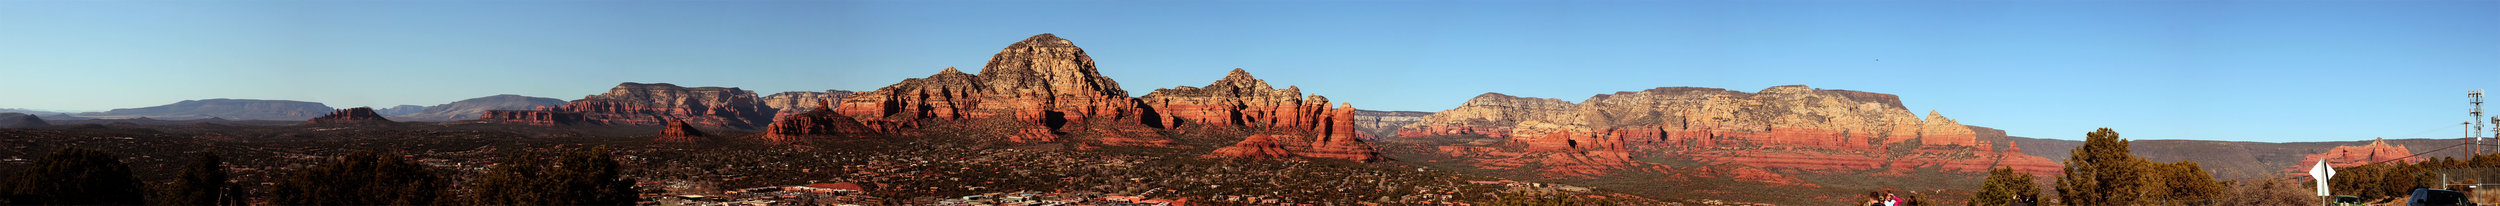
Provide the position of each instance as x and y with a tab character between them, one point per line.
2270	71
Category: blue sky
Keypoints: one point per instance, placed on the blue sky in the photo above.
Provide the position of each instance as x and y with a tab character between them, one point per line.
2270	71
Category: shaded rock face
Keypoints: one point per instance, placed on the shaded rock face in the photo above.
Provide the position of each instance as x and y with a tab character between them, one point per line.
2356	155
798	102
819	122
654	104
1051	91
236	109
1385	124
679	131
1810	130
358	115
475	108
20	120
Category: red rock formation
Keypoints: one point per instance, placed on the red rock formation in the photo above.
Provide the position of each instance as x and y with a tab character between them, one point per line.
1785	128
653	104
679	131
1307	125
799	102
2348	156
358	115
816	123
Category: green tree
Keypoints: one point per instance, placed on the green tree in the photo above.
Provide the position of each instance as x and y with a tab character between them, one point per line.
2103	172
2005	187
580	177
203	182
75	176
2185	182
360	178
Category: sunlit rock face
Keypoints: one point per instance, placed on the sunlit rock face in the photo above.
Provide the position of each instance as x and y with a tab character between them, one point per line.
1049	90
2356	155
1785	128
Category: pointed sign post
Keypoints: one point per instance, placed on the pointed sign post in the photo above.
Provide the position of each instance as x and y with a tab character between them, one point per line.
2321	173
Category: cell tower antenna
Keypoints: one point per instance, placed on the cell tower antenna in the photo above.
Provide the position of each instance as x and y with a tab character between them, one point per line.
2475	97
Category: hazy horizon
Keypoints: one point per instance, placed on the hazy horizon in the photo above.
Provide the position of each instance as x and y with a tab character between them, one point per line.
2290	71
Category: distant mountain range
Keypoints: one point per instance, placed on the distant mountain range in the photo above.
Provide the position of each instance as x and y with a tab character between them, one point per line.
469	108
239	109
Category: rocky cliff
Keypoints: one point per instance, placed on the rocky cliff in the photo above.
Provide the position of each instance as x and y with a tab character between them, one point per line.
1301	125
236	109
819	122
654	104
474	108
1047	89
20	120
1385	124
358	115
2356	155
1784	128
797	102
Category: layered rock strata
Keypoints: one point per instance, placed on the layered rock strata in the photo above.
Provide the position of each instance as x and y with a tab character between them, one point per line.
475	108
819	122
798	102
653	104
1786	128
2356	155
1303	125
1385	124
1051	91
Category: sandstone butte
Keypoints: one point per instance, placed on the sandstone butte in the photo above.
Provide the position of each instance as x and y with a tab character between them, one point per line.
359	115
1046	89
2351	155
820	121
653	105
1786	128
679	131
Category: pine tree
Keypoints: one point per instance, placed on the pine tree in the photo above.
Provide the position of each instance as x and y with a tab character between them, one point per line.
360	178
203	182
75	176
2103	172
580	177
2005	187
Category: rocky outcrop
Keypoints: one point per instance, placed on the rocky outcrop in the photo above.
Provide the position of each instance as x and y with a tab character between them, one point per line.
1490	114
1784	128
236	109
679	131
1042	81
797	102
20	120
820	122
358	115
1050	91
2356	155
475	108
1305	125
654	104
1385	124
